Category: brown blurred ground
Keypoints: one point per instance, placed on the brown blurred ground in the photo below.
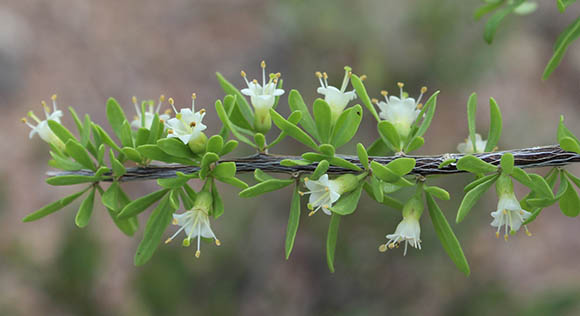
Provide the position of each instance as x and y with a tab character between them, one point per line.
87	51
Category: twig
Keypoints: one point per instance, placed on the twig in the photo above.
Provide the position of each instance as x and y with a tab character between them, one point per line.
543	156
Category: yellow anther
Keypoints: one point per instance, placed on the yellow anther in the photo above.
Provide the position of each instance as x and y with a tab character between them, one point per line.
300	193
363	77
197	253
23	120
326	206
350	73
162	120
186	242
135	117
400	84
168	240
423	89
325	75
53	97
193	96
43	103
243	73
169	131
393	245
255	81
326	189
263	64
192	124
383	248
528	233
218	242
374	100
318	74
384	93
168	111
311	213
278	75
506	237
419	106
504	212
171	101
178	116
306	179
174	221
134	99
162	98
496	234
521	212
201	111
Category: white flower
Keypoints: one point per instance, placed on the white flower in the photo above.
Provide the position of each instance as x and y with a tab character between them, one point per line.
42	128
195	222
323	193
467	146
401	112
510	214
186	125
149	114
409	229
336	99
262	96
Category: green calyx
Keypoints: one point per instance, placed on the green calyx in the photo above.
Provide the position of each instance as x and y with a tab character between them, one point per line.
198	144
504	185
346	183
262	120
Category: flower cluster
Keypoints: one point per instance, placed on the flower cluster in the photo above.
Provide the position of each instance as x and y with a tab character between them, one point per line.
336	99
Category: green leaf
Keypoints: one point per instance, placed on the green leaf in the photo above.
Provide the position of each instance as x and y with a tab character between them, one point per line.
563	131
389	135
378	148
225	170
569	144
323	120
229	146
494	21
540	185
221	112
479	181
446	163
401	166
363	156
337	161
156	225
261	176
157	128
116	117
132	154
80	154
118	168
294	118
139	205
71	179
65	163
206	161
240	99
235	115
264	187
105	137
327	150
571	34
175	147
176	182
174	198
186	200
126	137
292	130
495	125
569	202
507	163
383	172
471	197
331	239
320	169
53	207
471	110
415	143
521	176
215	144
563	4
475	165
438	192
85	210
114	199
60	131
293	221
155	153
296	103
361	91
346	126
430	107
347	203
143	137
294	162
446	235
260	141
487	8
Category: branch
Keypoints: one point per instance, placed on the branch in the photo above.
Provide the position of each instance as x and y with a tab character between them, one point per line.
543	156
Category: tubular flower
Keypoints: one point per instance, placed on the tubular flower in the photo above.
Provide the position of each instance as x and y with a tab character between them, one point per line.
41	128
467	146
401	112
140	121
336	99
262	97
195	222
187	126
509	213
409	229
324	192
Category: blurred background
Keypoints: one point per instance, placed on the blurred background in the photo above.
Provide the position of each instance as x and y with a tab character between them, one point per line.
87	51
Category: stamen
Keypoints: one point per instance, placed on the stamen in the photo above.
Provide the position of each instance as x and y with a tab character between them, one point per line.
193	97
23	120
419	106
168	240
528	233
506	236
263	65
497	234
218	242
300	193
363	77
201	111
383	248
306	179
325	76
33	116
401	85
197	253
46	108
169	131
375	101
168	111
192	124
311	213
53	98
172	103
161	100
347	74
243	73
186	242
174	221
